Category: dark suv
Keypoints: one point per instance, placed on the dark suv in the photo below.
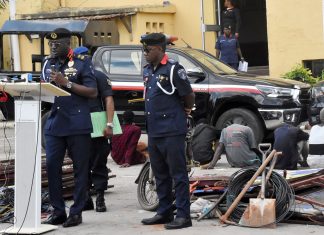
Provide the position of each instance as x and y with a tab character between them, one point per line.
223	95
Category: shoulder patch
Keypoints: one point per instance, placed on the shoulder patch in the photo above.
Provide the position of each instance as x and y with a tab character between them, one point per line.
91	69
109	82
182	74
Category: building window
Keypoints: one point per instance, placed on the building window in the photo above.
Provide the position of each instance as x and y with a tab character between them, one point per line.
148	27
154	27
316	66
161	27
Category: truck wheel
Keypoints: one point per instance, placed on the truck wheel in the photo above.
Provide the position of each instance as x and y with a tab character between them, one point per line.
44	119
243	117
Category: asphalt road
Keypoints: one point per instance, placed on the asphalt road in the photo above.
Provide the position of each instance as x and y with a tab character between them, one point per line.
124	213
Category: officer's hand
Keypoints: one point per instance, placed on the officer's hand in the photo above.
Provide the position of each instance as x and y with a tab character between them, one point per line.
308	126
187	111
108	132
237	35
125	165
58	78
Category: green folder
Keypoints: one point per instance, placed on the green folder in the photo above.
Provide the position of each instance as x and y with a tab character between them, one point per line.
99	122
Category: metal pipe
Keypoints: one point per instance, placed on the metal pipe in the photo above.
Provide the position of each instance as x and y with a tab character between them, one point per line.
15	53
202	23
310	201
219	11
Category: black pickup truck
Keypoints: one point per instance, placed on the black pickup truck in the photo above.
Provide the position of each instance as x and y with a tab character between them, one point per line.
223	95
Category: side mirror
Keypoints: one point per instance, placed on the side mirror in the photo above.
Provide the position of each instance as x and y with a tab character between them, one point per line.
196	72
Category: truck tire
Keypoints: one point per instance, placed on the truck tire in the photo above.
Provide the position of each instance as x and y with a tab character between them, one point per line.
243	117
44	119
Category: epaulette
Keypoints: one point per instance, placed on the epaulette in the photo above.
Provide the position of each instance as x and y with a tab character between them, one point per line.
80	57
146	65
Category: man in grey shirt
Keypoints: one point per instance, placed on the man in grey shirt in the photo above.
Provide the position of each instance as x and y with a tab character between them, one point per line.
239	144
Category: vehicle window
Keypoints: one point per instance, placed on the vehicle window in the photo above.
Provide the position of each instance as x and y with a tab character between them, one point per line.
182	60
126	62
211	62
105	60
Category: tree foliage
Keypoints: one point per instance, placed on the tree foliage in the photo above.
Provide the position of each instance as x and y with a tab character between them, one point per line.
3	4
300	73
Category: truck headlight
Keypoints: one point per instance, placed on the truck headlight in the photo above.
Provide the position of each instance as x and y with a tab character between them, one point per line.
274	92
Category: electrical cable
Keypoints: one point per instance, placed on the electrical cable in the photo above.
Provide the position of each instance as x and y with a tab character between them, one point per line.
278	188
6	140
9	213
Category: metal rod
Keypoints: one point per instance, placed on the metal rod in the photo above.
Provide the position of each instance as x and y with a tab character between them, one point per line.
202	23
312	202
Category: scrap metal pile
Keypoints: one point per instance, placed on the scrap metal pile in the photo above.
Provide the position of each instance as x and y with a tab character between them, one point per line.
7	175
7	179
290	197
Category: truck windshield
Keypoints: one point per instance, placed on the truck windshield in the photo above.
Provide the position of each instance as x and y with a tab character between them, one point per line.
210	62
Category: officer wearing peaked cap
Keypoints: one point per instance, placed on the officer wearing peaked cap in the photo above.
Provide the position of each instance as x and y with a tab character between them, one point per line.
168	99
58	33
68	126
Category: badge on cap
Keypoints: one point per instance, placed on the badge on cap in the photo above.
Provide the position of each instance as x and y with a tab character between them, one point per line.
53	35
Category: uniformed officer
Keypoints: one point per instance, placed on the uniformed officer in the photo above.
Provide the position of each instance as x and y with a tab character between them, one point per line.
228	48
168	99
69	125
100	147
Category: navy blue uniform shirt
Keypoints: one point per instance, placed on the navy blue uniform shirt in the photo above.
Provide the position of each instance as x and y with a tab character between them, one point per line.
165	115
286	139
70	115
104	90
228	49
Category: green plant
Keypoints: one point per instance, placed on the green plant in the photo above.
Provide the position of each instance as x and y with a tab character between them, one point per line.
302	74
3	4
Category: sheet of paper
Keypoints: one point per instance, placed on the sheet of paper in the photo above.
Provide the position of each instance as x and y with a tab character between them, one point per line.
99	121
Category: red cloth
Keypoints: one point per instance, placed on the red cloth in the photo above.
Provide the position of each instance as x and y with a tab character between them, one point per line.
124	146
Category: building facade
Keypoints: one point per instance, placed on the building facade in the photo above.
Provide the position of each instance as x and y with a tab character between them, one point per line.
274	33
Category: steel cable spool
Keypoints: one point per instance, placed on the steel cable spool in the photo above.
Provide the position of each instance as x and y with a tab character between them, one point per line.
278	188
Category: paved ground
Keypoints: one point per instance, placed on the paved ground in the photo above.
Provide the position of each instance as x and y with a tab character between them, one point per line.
124	213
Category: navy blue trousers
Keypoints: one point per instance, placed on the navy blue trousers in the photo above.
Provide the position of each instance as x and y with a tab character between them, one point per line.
78	147
98	171
167	156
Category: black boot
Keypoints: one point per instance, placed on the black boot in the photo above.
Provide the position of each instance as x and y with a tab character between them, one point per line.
88	205
100	202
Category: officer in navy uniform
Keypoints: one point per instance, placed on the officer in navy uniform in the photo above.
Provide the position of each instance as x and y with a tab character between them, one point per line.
100	147
68	126
168	99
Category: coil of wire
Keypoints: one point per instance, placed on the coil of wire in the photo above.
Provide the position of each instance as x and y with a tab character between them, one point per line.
277	187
